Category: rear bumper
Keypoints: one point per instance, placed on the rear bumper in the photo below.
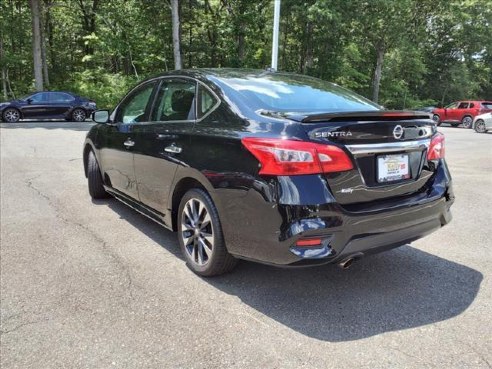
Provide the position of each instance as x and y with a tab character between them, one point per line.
259	227
385	231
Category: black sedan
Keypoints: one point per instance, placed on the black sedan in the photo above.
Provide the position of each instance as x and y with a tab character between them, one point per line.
273	167
48	105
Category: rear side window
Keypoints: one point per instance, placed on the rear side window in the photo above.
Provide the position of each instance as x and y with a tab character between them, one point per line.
487	105
463	105
175	101
60	97
472	105
206	101
133	108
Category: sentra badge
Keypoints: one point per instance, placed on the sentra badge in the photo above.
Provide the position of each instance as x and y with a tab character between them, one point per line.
326	134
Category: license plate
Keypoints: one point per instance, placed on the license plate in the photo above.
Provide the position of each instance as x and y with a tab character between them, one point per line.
393	168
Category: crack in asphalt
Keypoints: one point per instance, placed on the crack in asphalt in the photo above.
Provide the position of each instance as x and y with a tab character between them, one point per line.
17	327
419	359
117	259
479	354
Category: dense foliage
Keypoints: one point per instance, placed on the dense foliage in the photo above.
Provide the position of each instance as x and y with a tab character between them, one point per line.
427	52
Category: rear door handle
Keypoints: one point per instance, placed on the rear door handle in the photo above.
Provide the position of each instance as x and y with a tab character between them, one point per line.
129	142
173	149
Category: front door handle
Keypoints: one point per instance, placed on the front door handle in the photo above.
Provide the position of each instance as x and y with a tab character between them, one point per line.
164	136
129	142
173	149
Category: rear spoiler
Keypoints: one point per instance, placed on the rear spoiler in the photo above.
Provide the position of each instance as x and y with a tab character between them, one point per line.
380	115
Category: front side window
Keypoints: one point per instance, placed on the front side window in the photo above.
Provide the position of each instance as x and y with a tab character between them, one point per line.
451	106
175	101
39	97
133	109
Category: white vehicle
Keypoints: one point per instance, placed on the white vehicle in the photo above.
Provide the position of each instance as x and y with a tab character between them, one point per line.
482	123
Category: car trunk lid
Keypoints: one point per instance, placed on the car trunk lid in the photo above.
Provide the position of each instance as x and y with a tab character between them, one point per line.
389	149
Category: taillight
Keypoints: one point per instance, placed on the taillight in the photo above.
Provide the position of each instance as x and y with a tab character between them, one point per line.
436	147
308	242
289	157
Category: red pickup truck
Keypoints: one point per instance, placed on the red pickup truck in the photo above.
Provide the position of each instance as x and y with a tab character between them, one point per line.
461	112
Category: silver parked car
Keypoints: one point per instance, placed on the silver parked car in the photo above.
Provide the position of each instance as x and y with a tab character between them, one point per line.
483	122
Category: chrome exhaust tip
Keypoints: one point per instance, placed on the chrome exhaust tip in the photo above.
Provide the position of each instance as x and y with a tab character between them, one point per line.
347	263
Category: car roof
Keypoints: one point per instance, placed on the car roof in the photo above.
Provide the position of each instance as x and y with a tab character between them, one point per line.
221	72
472	101
205	73
65	92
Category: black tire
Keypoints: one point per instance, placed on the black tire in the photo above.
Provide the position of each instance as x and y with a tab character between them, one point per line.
194	236
94	179
480	126
436	118
11	115
467	122
78	115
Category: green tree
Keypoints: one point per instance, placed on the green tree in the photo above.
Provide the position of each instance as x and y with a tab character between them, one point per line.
403	54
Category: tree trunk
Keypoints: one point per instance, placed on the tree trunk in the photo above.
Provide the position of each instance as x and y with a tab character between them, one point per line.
4	84
12	94
49	29
190	40
283	59
132	63
4	73
376	81
241	33
46	77
36	45
89	22
240	44
308	60
212	36
43	49
176	34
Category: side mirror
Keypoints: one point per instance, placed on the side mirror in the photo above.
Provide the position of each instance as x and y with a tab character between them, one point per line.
29	101
101	116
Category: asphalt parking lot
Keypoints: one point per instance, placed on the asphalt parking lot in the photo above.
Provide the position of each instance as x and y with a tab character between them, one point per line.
96	285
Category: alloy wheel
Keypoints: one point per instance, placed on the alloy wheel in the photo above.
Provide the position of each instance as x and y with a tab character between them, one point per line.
480	126
436	119
78	115
197	232
11	115
467	122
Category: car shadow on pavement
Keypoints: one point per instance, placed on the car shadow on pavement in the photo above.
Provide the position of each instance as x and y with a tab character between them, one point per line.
399	289
154	231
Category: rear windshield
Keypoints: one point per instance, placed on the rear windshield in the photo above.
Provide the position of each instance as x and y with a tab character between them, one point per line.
294	93
487	105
